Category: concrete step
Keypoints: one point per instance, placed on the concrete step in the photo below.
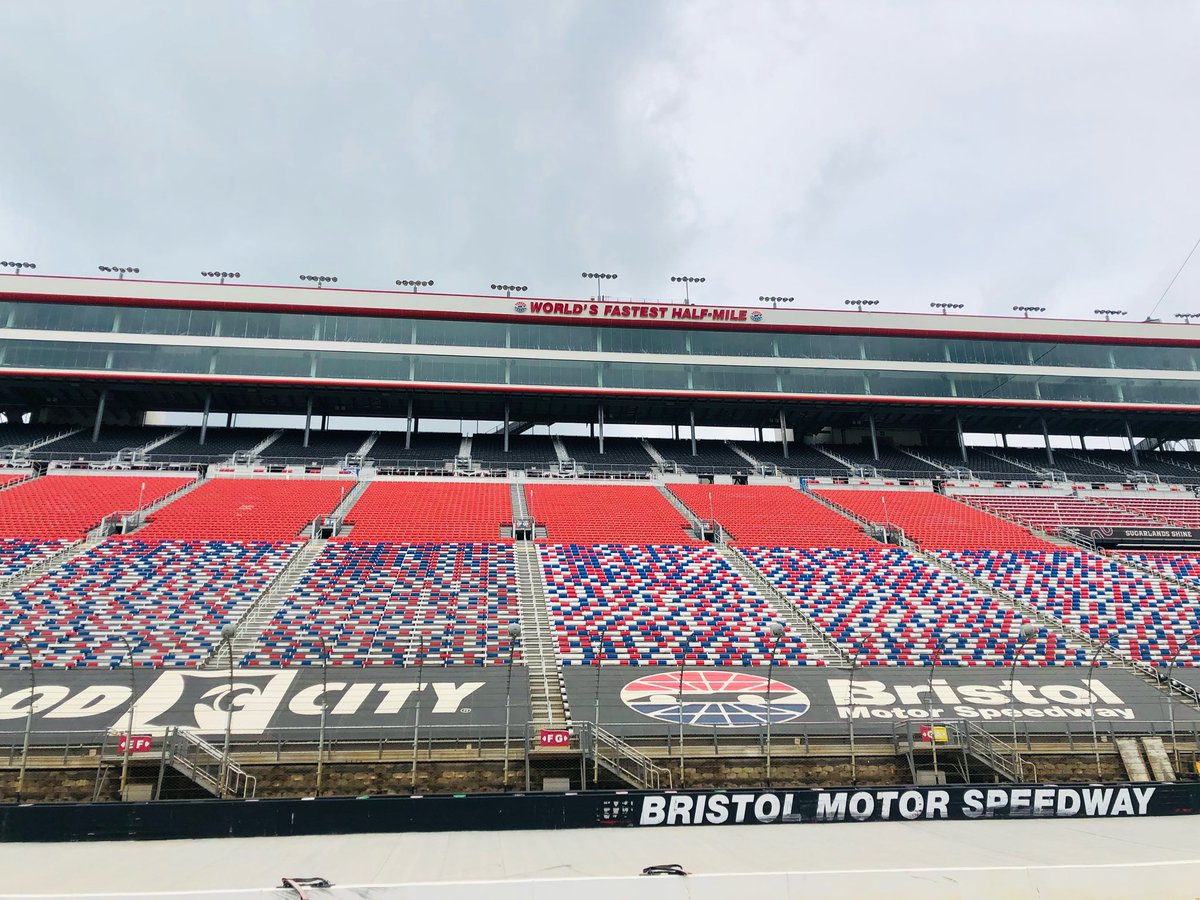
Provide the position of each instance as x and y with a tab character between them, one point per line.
1160	761
1131	757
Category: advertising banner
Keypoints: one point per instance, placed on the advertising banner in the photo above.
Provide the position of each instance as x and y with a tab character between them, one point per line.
645	700
261	698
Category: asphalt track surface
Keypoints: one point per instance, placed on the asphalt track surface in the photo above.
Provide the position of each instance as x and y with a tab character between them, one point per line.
1097	858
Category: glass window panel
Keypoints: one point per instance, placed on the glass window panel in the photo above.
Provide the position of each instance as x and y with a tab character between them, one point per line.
466	334
822	381
378	366
481	370
733	378
554	337
554	371
732	343
293	363
651	376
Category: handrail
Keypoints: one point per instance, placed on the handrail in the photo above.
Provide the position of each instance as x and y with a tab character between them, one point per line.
643	772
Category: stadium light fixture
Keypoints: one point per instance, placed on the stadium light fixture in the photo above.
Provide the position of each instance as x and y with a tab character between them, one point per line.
509	288
1026	310
853	758
1109	313
944	307
408	283
934	659
1092	702
17	266
221	275
1028	632
1187	317
228	633
598	277
119	271
777	629
861	303
24	642
1190	639
775	301
685	280
514	639
599	656
132	695
321	280
417	709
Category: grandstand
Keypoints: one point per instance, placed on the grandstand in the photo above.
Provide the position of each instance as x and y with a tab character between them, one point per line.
856	528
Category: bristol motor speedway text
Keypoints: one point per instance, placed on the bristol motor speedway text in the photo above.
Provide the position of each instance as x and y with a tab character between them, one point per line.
1015	699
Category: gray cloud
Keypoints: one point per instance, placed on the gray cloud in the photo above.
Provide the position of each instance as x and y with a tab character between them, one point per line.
985	152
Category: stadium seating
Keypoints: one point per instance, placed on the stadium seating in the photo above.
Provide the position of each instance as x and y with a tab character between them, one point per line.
113	438
219	444
899	609
10	478
1143	617
1074	466
1183	566
524	451
891	463
801	459
397	604
622	454
170	599
434	448
430	511
934	520
771	514
324	447
1182	509
710	456
18	554
1051	513
247	509
606	513
982	464
657	605
67	507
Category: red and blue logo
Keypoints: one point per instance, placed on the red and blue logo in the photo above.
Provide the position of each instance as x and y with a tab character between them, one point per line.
756	316
714	699
520	306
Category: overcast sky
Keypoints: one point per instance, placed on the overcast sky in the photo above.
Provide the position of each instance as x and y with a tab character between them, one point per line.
986	153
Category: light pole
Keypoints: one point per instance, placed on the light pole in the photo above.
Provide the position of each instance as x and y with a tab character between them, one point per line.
934	659
596	711
1171	693
1026	310
228	633
324	713
24	642
861	303
685	280
119	271
775	301
132	695
514	637
321	280
221	275
777	629
409	283
16	266
682	663
1028	632
1092	702
598	277
1187	317
944	307
417	710
509	288
853	758
1109	313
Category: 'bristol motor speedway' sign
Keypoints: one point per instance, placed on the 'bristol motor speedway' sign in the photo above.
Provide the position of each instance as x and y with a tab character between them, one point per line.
261	698
820	699
896	804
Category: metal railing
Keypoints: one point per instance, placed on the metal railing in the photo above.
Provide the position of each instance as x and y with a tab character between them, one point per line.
206	765
620	758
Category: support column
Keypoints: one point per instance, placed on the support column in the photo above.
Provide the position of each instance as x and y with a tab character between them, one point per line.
228	420
600	422
505	427
408	427
1004	440
204	418
962	444
99	415
676	428
692	422
1132	447
783	432
324	423
874	439
1046	435
307	421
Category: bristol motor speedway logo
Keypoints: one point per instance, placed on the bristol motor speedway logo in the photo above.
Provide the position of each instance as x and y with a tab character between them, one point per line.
520	306
714	699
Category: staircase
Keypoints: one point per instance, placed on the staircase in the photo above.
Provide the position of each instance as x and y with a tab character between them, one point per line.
347	502
158	504
1131	757
255	619
207	766
547	695
966	738
559	450
661	461
362	452
607	751
816	642
1003	458
155	444
1160	762
243	457
736	448
693	519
